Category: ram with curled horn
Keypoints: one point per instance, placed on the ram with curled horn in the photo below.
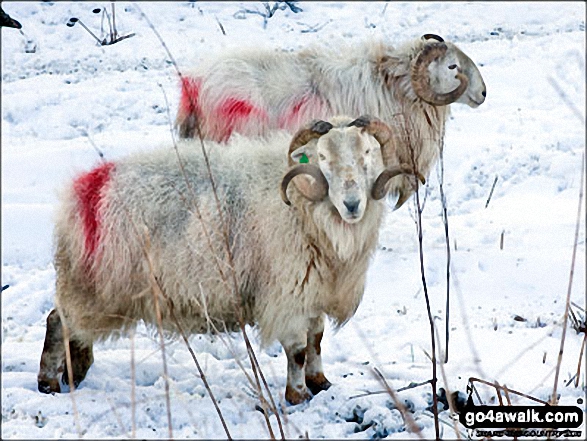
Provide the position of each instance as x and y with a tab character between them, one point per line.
330	231
409	87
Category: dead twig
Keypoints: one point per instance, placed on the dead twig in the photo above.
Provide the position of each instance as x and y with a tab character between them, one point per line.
69	368
491	192
204	226
554	399
407	416
115	32
388	390
112	32
220	26
447	242
198	367
578	374
156	293
425	287
465	322
561	93
133	386
449	395
85	133
116	414
499	388
254	363
401	389
157	290
518	356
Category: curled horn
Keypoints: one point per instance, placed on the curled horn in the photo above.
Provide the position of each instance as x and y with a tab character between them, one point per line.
433	37
319	189
421	77
317	192
381	132
374	127
378	190
304	136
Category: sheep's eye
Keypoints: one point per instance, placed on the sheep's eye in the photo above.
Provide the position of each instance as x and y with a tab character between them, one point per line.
367	151
452	66
322	157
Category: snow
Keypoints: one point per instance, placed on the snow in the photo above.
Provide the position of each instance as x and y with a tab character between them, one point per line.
58	85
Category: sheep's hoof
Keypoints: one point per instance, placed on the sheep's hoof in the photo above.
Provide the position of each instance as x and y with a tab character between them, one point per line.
317	383
48	386
296	395
65	379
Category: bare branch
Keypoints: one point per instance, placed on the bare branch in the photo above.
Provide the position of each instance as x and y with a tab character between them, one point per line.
491	192
156	293
69	367
425	287
566	99
498	388
407	416
447	242
401	389
554	399
254	363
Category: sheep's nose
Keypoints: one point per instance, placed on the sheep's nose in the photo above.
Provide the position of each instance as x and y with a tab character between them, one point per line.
351	206
349	183
484	93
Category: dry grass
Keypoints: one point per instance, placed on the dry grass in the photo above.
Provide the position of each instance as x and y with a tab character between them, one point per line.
157	292
406	415
133	386
499	389
447	242
577	113
554	399
69	368
419	209
260	381
449	395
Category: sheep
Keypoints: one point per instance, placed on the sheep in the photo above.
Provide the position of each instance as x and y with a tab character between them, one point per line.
329	224
409	88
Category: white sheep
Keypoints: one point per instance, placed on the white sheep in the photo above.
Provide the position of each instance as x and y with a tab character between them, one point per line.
409	87
292	264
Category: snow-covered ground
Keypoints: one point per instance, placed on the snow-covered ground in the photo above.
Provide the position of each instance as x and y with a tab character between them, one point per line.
58	85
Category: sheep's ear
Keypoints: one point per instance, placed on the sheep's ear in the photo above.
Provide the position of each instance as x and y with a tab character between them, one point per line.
302	155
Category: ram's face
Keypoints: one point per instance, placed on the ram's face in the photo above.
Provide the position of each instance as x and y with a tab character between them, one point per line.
476	92
343	164
350	160
443	76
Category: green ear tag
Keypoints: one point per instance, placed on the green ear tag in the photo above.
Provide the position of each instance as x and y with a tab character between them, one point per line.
304	159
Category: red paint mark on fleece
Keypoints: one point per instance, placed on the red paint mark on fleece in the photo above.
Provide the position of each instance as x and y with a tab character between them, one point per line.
303	110
88	189
233	113
190	94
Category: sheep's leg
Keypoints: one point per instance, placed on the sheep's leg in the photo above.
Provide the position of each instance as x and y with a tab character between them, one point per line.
53	356
295	390
82	358
315	379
